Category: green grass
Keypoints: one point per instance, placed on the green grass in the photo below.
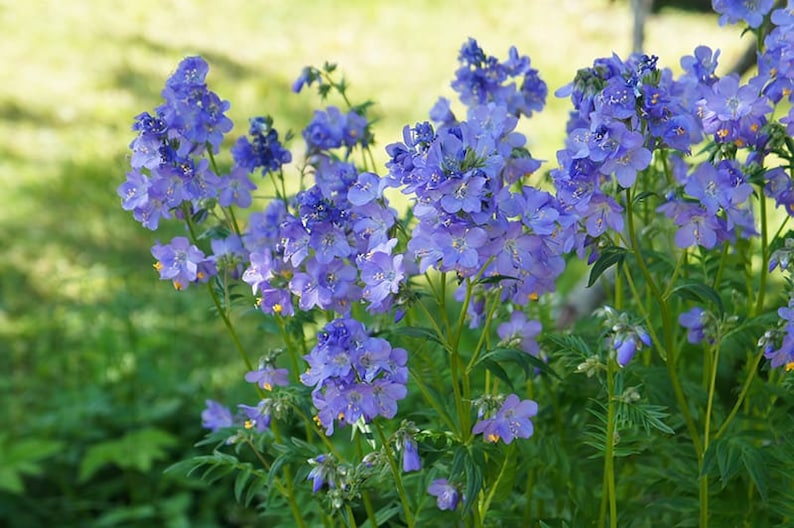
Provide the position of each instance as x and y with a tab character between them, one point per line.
92	346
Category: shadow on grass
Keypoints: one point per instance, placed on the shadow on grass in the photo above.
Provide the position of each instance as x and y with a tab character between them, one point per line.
98	349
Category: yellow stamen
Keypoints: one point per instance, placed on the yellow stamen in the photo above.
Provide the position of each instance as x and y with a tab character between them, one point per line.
534	296
158	265
790	366
267	387
277	308
249	424
178	286
200	275
492	437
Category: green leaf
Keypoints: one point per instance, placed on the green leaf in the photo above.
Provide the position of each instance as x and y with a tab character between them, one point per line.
643	196
756	467
23	457
240	482
137	450
527	362
493	279
497	370
693	290
473	464
608	258
10	480
416	331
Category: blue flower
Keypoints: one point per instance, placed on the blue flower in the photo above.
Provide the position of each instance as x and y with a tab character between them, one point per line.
520	332
182	263
752	12
267	377
216	416
258	417
695	321
511	421
447	496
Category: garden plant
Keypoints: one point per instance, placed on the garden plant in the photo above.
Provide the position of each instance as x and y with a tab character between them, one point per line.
418	362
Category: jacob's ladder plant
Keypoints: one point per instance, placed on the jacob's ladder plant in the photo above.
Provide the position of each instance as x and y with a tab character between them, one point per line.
412	369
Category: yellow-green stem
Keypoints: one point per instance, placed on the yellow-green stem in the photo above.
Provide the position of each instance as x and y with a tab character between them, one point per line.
668	330
409	517
608	497
486	503
759	304
290	494
745	388
713	363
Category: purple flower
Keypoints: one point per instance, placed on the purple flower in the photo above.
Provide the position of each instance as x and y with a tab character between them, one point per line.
733	11
182	263
695	321
603	213
511	421
410	452
381	273
626	345
324	472
216	416
235	189
447	496
521	333
332	129
368	187
459	246
264	151
257	417
228	254
266	376
134	192
464	194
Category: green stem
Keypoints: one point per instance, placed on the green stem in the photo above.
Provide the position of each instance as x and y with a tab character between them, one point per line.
230	327
409	518
714	356
486	504
483	335
290	491
365	494
442	413
608	496
723	258
351	518
668	350
740	400
759	304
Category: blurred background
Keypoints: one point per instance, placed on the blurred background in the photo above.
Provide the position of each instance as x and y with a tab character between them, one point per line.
104	369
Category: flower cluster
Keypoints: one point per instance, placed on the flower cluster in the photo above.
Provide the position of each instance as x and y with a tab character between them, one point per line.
330	246
354	376
475	217
483	79
169	166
